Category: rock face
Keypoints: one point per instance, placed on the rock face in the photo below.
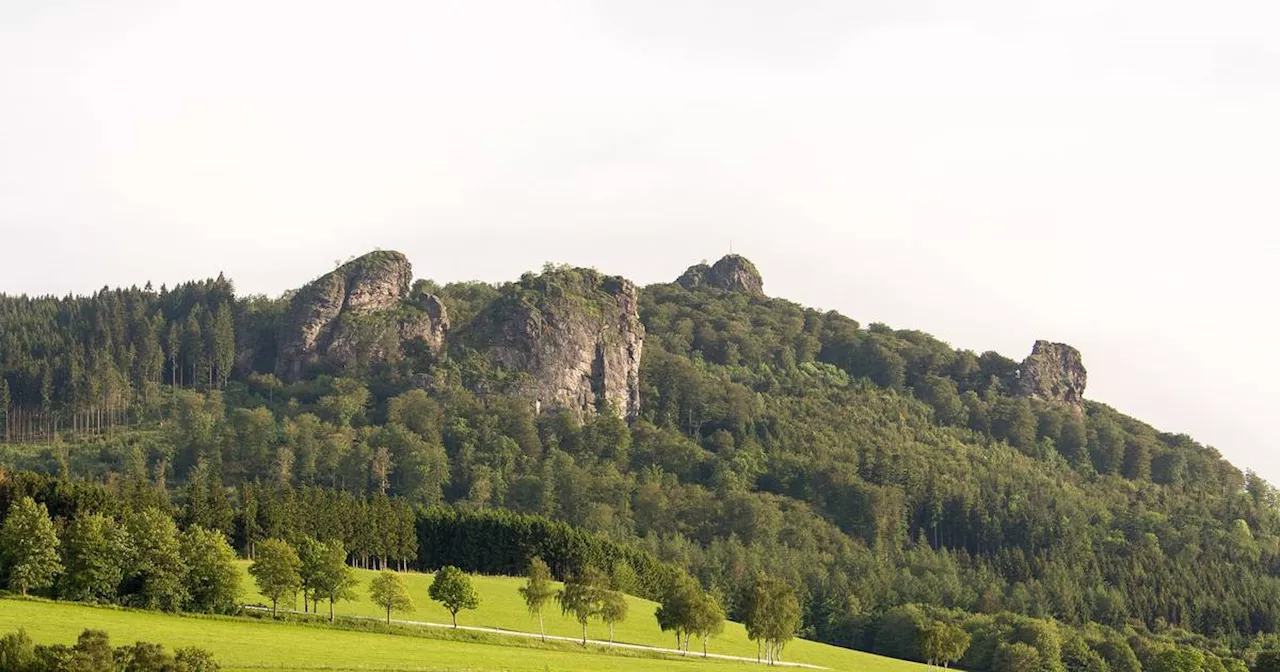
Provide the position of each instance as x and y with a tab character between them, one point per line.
733	273
360	311
1053	372
569	338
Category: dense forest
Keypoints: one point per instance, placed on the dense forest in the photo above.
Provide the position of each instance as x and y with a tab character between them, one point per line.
895	481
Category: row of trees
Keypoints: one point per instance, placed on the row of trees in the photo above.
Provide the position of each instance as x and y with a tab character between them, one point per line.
93	652
689	611
143	562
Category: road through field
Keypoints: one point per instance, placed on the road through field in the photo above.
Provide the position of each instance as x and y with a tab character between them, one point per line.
534	635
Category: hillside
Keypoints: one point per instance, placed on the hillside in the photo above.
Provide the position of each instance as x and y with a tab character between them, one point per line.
894	480
502	608
243	645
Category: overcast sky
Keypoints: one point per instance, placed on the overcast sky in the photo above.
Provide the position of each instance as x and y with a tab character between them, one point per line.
1099	172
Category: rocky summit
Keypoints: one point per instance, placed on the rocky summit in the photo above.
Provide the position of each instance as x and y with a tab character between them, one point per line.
1053	372
361	310
733	273
569	338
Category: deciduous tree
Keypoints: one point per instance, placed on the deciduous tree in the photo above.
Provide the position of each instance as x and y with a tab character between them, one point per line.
276	570
537	590
29	547
212	581
452	588
388	591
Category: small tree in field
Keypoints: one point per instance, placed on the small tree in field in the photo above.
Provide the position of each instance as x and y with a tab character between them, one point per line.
388	591
581	597
29	547
332	579
537	590
452	588
706	620
613	609
772	615
276	570
676	613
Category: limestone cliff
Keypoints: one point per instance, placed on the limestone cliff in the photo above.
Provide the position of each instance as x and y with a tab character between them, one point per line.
359	312
568	338
1053	372
733	273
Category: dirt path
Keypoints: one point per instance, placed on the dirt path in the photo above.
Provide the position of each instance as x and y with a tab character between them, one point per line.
575	640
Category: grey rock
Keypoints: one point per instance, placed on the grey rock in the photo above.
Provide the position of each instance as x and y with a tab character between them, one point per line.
1053	372
359	311
733	273
570	338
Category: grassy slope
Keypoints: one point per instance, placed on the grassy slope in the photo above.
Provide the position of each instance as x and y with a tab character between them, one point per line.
245	644
502	607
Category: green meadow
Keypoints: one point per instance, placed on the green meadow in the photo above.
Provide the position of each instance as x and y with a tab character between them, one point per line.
243	644
502	607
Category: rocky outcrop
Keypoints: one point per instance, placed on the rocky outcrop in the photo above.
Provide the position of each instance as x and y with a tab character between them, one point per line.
359	312
733	273
1053	372
569	338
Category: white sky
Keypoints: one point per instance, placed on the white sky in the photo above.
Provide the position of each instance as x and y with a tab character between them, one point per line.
1098	172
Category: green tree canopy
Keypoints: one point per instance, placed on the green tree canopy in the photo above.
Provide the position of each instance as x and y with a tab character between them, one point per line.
452	588
154	576
330	576
94	553
276	570
613	609
581	597
388	591
29	547
212	580
537	590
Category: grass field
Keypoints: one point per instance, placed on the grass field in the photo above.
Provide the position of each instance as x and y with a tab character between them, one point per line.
243	644
502	607
250	644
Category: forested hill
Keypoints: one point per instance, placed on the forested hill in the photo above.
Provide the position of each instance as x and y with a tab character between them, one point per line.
891	478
